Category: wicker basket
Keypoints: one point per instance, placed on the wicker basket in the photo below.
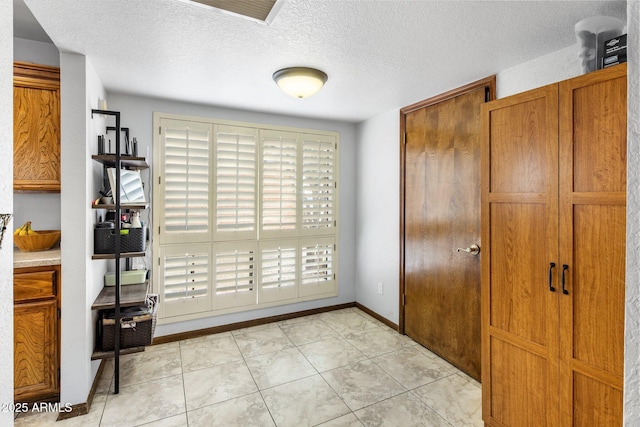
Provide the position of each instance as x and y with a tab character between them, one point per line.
131	240
137	326
43	240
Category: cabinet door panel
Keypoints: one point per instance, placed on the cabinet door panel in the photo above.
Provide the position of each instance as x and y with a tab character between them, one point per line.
596	403
35	361
36	142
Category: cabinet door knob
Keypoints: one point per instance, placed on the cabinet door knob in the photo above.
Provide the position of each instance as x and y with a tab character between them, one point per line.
565	267
552	265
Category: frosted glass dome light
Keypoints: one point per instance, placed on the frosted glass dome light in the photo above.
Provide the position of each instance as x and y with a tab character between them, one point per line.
300	82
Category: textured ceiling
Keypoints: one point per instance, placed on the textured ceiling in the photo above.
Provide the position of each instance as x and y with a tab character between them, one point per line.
379	55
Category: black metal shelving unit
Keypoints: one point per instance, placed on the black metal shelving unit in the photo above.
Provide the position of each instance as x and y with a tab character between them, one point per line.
113	298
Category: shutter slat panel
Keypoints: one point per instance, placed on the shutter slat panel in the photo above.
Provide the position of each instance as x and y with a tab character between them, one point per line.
318	183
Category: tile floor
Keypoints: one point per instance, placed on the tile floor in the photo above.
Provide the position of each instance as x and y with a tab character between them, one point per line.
341	368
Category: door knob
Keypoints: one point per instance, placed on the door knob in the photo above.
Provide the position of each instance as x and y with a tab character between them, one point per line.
473	250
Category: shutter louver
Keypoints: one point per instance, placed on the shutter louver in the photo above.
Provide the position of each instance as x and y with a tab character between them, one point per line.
318	184
279	183
236	278
316	266
278	278
185	286
186	179
236	182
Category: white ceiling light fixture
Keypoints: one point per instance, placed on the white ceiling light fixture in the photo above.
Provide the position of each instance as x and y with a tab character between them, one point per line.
300	82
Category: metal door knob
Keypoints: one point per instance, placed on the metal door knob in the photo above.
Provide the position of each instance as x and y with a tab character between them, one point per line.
473	250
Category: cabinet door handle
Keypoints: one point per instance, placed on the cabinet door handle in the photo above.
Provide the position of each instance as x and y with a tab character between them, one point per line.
552	265
565	267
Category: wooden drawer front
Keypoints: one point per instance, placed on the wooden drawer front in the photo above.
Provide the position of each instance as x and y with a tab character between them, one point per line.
27	286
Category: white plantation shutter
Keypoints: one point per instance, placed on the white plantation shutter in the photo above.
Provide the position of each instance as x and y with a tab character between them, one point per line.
246	216
317	266
279	183
318	184
185	176
236	281
236	179
185	279
278	270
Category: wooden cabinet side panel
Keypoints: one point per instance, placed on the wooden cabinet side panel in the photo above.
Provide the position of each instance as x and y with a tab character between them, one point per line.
35	350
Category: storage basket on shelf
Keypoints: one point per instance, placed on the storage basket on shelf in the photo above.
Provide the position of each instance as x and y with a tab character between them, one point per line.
137	326
131	240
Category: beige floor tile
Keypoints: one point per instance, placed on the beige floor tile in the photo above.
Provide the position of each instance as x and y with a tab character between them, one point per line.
143	403
362	384
246	411
374	342
161	347
349	420
307	332
305	402
218	383
208	351
141	367
36	419
457	398
104	382
254	329
404	410
413	368
262	341
179	420
270	370
346	321
331	353
301	319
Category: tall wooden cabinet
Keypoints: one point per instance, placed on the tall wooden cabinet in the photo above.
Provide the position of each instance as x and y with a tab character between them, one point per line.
553	261
36	333
36	127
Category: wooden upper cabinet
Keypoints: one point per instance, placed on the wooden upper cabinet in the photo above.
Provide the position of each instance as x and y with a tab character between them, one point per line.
36	127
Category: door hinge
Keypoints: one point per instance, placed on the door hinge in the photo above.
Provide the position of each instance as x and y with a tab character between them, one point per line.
159	180
59	313
58	375
404	302
404	138
158	229
159	130
158	260
487	94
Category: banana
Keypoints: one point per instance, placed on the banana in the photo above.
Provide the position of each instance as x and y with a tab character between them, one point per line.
18	230
30	230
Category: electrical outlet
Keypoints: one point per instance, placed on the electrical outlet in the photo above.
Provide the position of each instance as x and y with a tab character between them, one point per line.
380	289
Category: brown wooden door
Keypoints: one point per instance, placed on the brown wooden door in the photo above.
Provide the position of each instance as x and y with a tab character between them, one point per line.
520	241
442	213
593	152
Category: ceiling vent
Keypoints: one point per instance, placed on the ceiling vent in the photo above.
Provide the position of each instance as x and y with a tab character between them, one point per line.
262	11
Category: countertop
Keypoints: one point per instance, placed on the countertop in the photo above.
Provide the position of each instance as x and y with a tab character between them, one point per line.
35	259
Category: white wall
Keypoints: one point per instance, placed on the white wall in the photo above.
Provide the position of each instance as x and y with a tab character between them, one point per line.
36	52
6	206
137	114
80	89
378	214
632	309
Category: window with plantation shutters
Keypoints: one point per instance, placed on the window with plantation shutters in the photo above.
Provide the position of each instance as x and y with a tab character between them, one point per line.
246	214
236	274
185	279
278	270
279	183
316	266
185	181
236	175
318	184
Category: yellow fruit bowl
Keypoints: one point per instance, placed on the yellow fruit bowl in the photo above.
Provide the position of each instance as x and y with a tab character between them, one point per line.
45	239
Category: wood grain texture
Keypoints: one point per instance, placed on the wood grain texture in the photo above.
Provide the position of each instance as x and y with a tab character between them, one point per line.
593	143
35	350
441	213
36	128
519	235
35	285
